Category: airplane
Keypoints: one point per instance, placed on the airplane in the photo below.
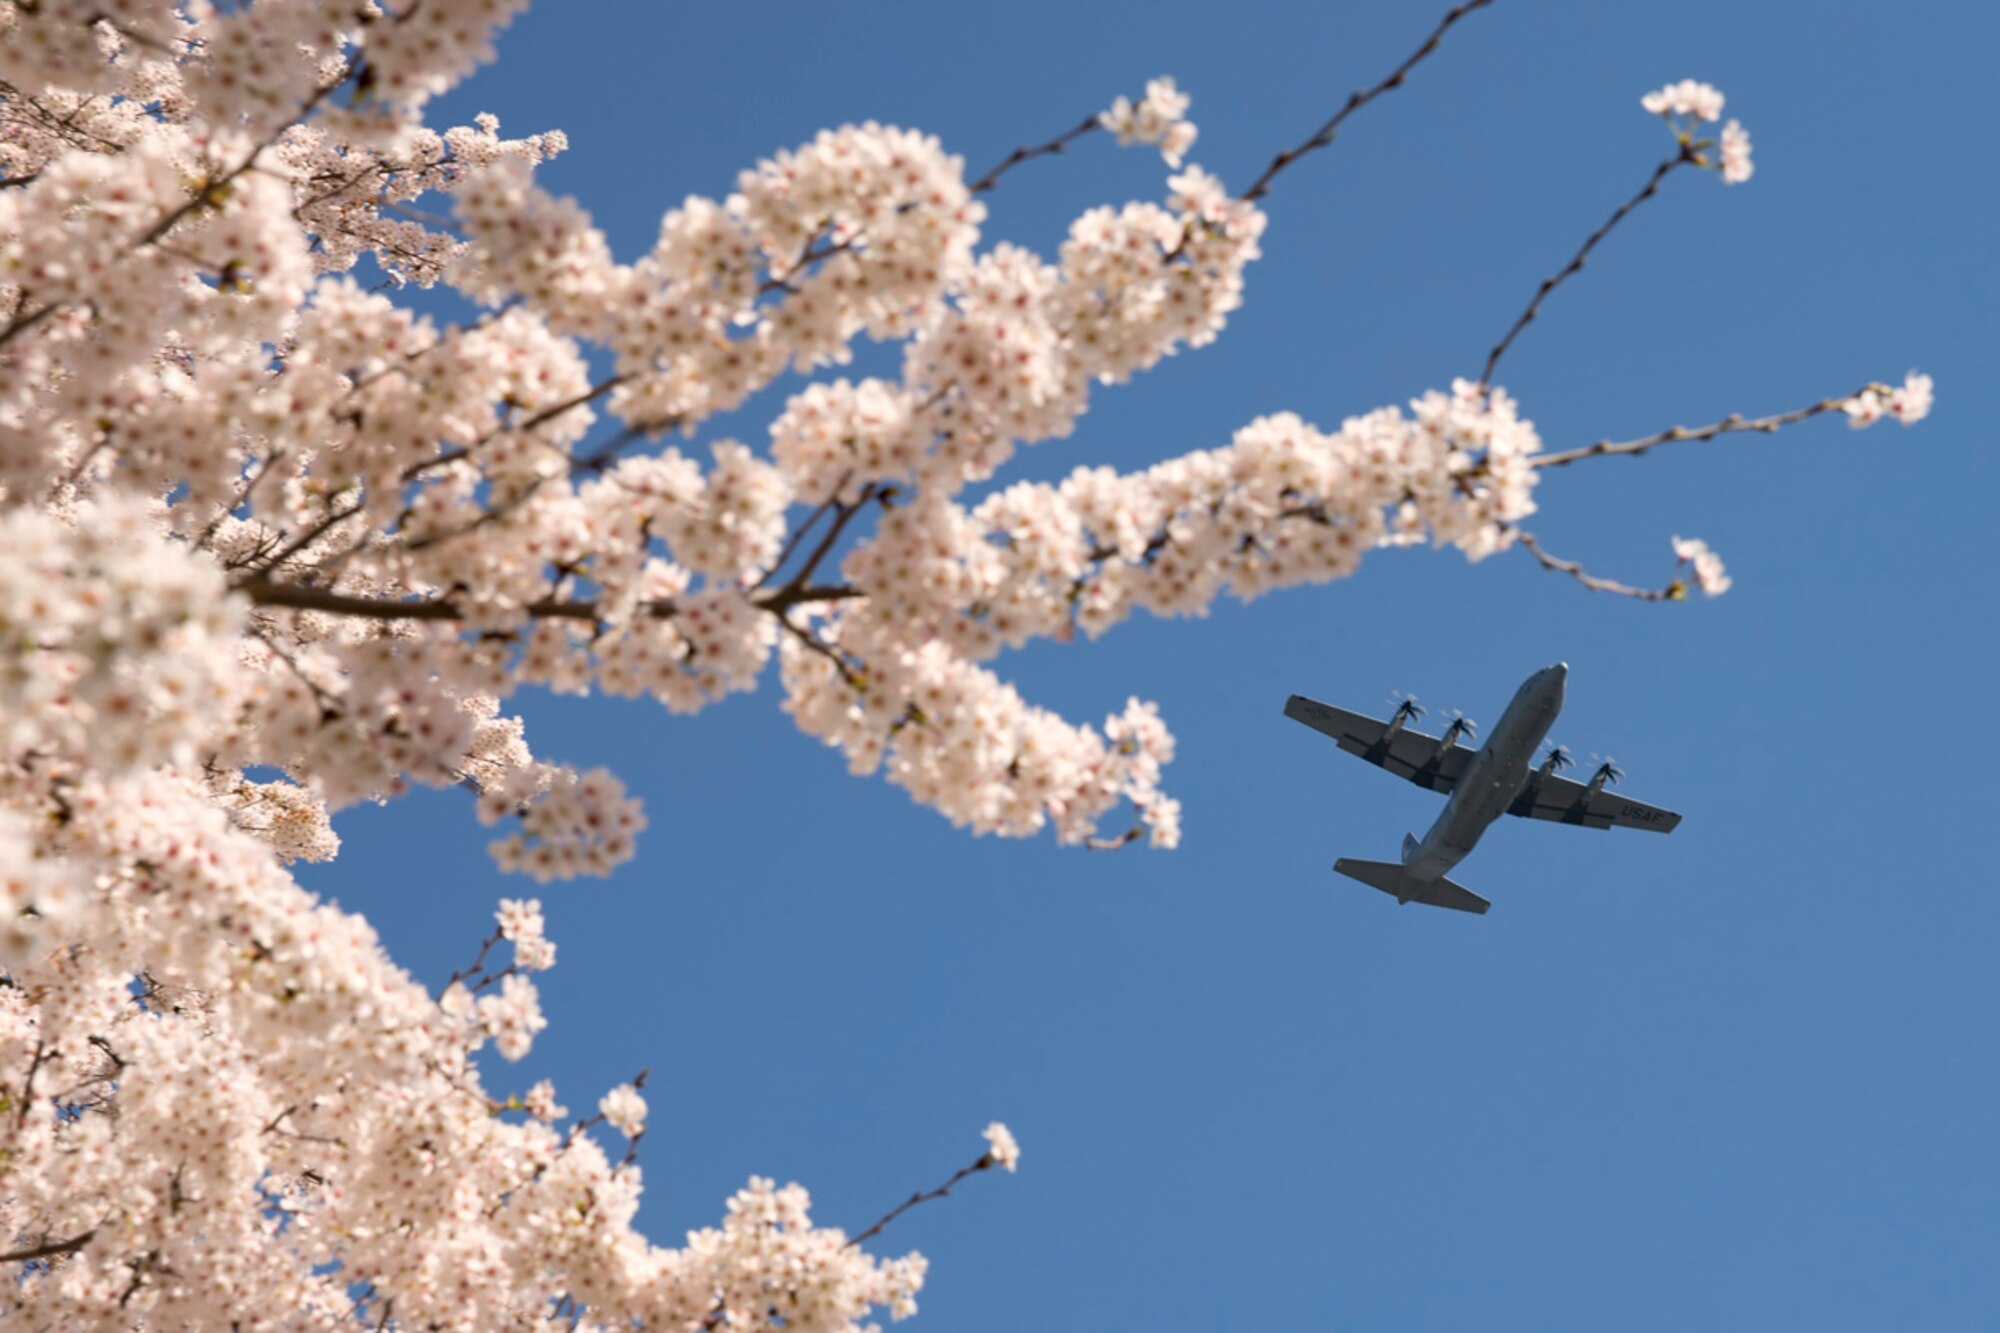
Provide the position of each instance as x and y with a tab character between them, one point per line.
1483	785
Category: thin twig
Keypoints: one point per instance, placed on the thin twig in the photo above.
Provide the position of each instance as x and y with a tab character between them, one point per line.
541	418
798	535
22	323
479	963
48	1249
843	515
1358	99
1055	145
1576	263
820	646
921	1196
301	597
1673	592
28	1084
265	466
330	520
815	251
1734	423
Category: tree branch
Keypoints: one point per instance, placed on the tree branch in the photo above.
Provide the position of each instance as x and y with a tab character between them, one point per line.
814	251
543	417
843	514
1673	592
1576	263
799	533
49	1249
985	1162
818	645
303	597
1734	423
1358	99
1055	145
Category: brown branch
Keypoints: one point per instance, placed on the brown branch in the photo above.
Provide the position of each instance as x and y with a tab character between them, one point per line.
814	251
784	599
265	466
49	1249
1055	145
1358	99
842	516
921	1196
22	323
1577	261
1112	844
329	521
799	534
812	254
28	1084
303	597
820	646
1673	592
540	418
598	461
1734	423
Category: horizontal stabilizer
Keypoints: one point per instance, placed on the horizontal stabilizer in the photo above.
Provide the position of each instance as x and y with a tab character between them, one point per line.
1393	880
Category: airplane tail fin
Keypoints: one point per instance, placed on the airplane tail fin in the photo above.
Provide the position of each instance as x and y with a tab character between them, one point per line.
1409	847
1391	879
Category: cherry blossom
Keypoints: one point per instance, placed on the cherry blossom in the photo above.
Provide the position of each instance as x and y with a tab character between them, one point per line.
1706	565
273	543
625	1110
1687	98
1160	117
1002	1148
1909	403
1736	165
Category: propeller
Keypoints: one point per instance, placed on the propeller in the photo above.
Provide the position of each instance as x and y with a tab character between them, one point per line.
1407	707
1608	772
1461	725
1557	759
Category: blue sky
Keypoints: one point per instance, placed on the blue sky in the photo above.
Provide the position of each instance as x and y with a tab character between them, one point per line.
1742	1077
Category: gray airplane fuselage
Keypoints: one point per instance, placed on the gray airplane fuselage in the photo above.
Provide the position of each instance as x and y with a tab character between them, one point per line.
1495	777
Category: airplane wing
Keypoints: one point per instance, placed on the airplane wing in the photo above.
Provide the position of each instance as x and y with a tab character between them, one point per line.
1557	798
1414	755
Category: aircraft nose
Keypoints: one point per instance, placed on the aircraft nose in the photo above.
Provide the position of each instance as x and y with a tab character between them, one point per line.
1559	671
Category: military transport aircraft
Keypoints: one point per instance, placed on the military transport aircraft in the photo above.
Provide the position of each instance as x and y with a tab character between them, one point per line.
1483	783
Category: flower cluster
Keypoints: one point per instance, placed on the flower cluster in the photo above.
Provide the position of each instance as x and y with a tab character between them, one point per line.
272	544
1696	103
769	1267
1908	403
1687	98
117	647
1736	165
521	925
1705	564
576	824
1160	117
624	1110
1001	1147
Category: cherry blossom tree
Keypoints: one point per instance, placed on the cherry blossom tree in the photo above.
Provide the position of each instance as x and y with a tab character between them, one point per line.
272	543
